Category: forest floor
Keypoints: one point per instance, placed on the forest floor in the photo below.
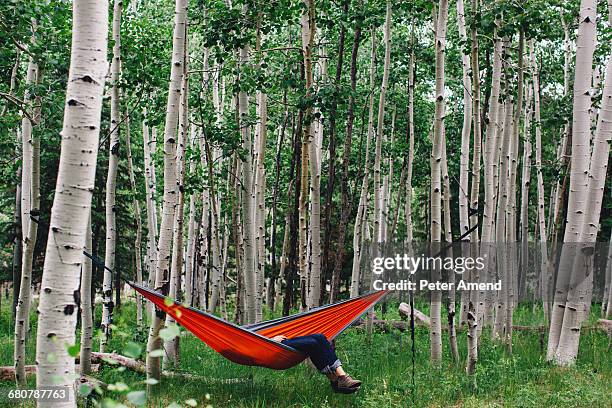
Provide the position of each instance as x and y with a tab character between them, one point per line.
384	365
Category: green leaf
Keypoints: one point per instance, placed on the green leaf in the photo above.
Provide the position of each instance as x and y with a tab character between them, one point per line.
170	332
137	398
85	390
156	353
73	350
132	350
168	301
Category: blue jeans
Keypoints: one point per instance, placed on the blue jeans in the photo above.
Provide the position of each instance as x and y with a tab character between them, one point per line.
318	349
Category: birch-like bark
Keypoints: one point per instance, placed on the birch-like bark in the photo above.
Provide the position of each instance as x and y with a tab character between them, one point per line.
137	221
363	196
30	203
410	163
171	346
581	282
545	276
464	158
311	157
248	223
579	174
170	187
191	234
438	148
86	307
72	200
111	180
151	194
469	304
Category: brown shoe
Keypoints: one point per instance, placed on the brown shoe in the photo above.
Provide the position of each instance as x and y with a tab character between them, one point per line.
346	385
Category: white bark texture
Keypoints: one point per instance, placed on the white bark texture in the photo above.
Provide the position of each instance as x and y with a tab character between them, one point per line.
86	307
30	203
111	180
72	201
438	148
579	175
170	187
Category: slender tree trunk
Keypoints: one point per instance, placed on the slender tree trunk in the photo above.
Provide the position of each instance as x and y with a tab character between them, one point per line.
469	305
363	197
151	194
345	206
137	222
86	307
171	347
170	186
72	201
409	171
111	180
464	158
438	148
30	206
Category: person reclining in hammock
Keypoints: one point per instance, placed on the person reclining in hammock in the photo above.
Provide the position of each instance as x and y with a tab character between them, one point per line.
323	356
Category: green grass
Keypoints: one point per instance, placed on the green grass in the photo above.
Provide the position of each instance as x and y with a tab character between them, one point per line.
384	365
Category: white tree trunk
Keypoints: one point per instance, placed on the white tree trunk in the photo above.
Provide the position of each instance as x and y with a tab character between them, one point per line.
363	196
111	180
170	187
438	148
72	201
464	158
86	307
30	205
579	172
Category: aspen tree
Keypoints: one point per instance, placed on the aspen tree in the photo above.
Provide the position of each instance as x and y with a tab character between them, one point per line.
543	237
438	147
464	223
30	207
86	307
111	180
579	173
356	277
72	200
137	221
581	282
162	269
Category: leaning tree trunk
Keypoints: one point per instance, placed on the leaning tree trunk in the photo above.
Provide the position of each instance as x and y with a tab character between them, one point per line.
438	148
72	201
30	203
579	175
111	180
170	187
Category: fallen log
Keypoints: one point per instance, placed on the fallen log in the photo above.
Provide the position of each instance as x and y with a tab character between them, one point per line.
420	318
114	358
7	373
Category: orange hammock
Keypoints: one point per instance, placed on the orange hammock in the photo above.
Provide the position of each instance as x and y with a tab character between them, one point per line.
252	345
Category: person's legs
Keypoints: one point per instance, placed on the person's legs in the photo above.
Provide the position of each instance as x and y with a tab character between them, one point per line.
323	356
318	349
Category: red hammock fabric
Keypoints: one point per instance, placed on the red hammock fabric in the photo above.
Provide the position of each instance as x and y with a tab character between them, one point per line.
252	345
